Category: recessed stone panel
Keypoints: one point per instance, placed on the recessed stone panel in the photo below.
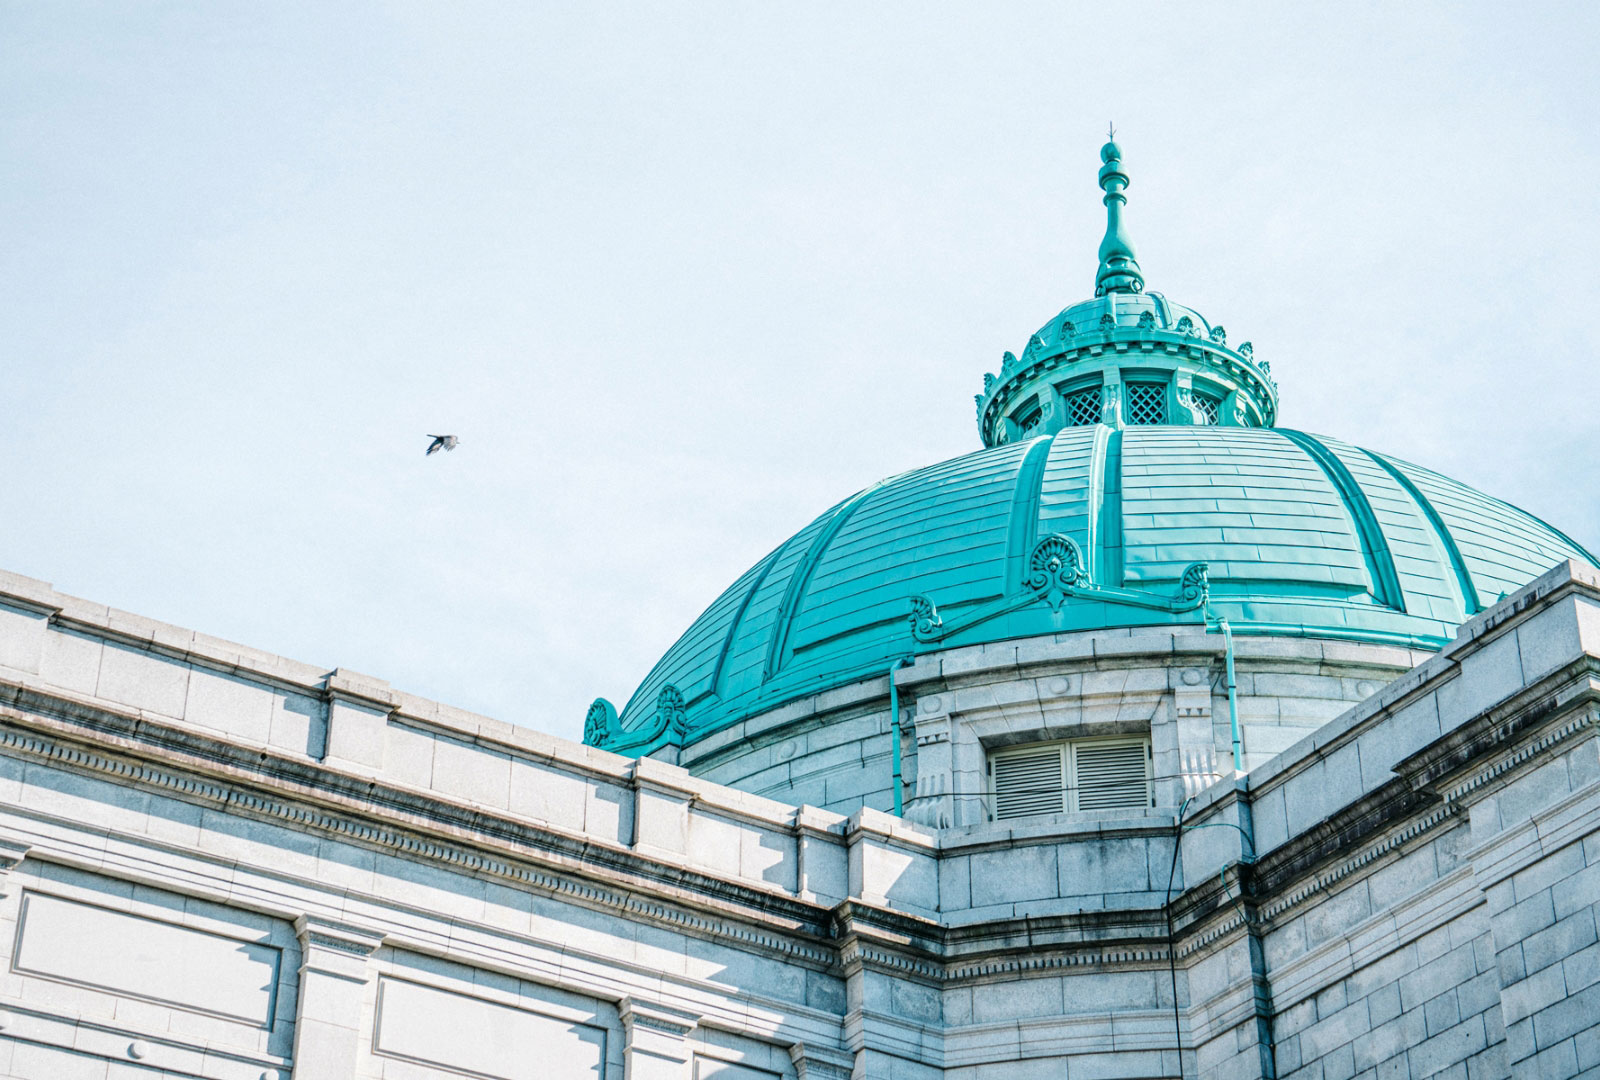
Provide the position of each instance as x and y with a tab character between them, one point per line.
483	1038
140	957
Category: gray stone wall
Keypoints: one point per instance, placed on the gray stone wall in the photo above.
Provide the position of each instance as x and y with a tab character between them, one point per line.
215	863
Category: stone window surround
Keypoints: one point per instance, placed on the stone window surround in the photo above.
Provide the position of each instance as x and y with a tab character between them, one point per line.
963	703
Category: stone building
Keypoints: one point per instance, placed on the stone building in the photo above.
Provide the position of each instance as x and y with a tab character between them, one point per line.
1150	740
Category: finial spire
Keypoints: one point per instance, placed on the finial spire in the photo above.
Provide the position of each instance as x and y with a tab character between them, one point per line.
1119	269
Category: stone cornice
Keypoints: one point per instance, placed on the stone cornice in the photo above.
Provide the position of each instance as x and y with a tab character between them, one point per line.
313	798
1433	789
1450	766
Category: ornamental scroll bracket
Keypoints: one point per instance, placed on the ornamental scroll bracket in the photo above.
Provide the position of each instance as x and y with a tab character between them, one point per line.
1056	573
671	719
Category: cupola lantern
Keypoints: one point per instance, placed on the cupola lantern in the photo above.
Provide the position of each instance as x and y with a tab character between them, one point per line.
1125	358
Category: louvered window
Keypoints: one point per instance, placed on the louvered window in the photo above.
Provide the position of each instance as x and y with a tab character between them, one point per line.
1083	407
1147	403
1085	774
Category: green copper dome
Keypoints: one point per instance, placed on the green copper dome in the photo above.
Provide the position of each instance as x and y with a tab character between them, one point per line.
1131	476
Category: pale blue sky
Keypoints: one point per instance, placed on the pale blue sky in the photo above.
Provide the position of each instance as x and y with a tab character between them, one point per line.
683	276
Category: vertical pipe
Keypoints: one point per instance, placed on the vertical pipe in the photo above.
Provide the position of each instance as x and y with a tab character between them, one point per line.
894	733
1233	703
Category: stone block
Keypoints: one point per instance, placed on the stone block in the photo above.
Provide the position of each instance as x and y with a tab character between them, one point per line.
661	823
1436	977
1558	941
1567	1017
713	841
1526	918
230	705
1581	969
1337	914
1338	1064
1441	1013
1395	737
357	734
1383	1005
1011	874
955	883
1548	871
298	724
408	756
1488	675
1405	877
1330	1033
71	660
1550	639
22	636
1478	994
143	680
1317	792
548	794
889	873
1452	1047
472	773
1529	995
1101	864
608	812
769	857
1017	999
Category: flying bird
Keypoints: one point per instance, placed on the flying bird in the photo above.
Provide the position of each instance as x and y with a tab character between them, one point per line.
441	442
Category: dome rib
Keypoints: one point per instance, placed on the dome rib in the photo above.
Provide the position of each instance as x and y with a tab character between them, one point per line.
1470	603
1374	548
800	577
737	621
1023	528
1107	529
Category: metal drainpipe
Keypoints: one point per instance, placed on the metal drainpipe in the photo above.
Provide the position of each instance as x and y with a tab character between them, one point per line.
1233	704
894	732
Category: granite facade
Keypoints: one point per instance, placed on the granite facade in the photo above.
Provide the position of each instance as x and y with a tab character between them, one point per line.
218	863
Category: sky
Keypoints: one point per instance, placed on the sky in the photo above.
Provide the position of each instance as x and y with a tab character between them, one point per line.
681	277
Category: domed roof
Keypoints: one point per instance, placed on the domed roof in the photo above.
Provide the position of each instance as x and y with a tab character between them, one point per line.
1300	534
1131	476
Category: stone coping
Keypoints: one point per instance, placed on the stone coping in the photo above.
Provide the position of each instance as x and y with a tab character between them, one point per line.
481	734
1560	580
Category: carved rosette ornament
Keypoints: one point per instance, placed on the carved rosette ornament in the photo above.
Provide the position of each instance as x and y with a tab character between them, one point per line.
925	620
1194	588
670	715
1055	568
600	722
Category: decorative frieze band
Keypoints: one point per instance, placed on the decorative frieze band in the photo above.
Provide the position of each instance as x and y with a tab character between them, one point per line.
301	816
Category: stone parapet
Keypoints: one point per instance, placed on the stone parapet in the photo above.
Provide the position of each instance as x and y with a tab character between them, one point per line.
1408	890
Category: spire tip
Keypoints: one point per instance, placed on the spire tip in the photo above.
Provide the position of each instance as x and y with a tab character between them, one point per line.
1119	268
